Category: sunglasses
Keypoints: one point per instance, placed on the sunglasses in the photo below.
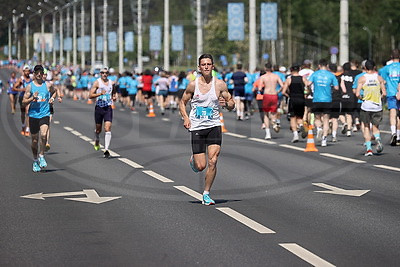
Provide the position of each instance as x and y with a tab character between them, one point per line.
39	73
102	72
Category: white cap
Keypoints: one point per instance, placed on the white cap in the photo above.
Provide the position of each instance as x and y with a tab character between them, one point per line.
282	69
112	70
26	67
104	69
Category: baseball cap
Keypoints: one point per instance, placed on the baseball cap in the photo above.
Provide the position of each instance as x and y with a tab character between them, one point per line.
38	68
26	67
112	70
104	69
282	69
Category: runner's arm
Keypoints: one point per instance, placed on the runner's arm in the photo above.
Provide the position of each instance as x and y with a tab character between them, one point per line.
114	92
342	85
359	87
92	93
187	95
28	97
16	86
398	92
225	98
383	87
286	86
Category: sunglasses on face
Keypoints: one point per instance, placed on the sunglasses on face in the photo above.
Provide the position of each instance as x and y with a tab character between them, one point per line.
104	73
39	73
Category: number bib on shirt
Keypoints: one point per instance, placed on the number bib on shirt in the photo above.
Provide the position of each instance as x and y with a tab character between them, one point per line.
204	112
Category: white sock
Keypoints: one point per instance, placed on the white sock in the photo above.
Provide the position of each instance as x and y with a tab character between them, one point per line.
393	129
206	192
267	131
27	129
107	140
333	133
295	134
398	134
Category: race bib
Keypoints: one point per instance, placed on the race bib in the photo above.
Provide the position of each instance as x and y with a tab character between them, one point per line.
204	112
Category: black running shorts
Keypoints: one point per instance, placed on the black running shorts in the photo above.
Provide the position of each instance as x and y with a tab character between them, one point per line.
34	124
201	139
103	114
296	106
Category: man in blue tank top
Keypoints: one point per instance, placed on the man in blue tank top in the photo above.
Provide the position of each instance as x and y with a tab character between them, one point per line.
207	94
38	95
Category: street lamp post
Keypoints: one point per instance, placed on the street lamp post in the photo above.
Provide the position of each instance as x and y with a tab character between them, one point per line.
105	41
166	34
365	28
37	12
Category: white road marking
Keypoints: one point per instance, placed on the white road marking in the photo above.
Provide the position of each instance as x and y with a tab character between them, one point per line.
121	109
190	192
134	112
293	147
340	191
131	163
113	154
92	143
388	167
56	122
158	177
76	133
85	138
305	255
68	129
342	158
262	141
246	221
236	135
386	132
165	119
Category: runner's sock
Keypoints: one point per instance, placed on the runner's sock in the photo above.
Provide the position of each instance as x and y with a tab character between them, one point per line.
333	133
206	192
398	134
393	129
107	140
368	145
377	136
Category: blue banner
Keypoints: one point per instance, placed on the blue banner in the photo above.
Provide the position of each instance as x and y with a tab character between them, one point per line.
177	38
155	38
67	44
56	44
269	21
129	42
235	21
99	43
112	41
6	50
86	43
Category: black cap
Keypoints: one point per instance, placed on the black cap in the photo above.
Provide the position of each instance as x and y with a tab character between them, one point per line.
38	68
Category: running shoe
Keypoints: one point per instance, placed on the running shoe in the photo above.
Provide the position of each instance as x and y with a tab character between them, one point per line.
47	147
106	154
96	147
27	133
319	134
334	139
267	136
324	142
348	134
295	139
393	140
368	153
191	162
23	133
303	132
344	128
207	200
277	127
35	167
42	162
398	142
379	145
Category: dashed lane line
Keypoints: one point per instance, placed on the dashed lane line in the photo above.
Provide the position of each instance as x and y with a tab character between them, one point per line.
305	255
56	122
259	228
76	133
69	129
190	192
342	158
387	167
131	163
158	176
292	147
85	138
165	119
236	135
262	141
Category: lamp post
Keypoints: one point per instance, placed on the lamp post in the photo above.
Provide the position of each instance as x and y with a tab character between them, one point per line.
105	41
15	30
37	12
365	28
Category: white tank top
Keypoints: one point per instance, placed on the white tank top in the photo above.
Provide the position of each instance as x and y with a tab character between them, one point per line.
372	93
205	108
106	99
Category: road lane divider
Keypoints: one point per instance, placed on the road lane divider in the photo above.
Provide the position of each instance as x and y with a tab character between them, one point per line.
131	163
190	192
85	138
236	135
76	133
387	167
342	158
56	122
262	141
158	177
305	255
246	221
69	129
292	147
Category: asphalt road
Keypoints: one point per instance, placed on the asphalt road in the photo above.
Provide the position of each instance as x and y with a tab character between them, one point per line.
268	212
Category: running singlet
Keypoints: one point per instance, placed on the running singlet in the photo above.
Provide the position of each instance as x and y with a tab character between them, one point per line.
104	100
40	108
296	87
372	93
391	74
323	80
205	108
24	85
11	82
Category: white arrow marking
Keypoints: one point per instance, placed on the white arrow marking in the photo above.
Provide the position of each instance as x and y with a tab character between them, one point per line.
340	191
93	197
42	196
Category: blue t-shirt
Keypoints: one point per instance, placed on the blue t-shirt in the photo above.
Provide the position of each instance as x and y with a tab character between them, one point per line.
391	74
283	78
183	84
155	78
83	82
323	81
173	87
131	86
123	82
228	77
112	78
248	87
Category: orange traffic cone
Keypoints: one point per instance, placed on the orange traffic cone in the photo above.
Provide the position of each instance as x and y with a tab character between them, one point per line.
310	141
151	112
89	101
221	118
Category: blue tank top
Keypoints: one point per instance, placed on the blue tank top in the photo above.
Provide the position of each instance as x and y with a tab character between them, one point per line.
40	108
24	84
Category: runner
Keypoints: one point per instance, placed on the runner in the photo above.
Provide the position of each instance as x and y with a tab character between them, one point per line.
323	80
173	99
371	108
306	72
391	74
104	91
258	89
20	86
38	96
239	80
132	90
295	85
336	110
12	95
206	93
270	99
162	85
147	80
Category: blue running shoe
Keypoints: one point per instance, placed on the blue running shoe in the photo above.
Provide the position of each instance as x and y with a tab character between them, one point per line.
207	200
42	162
35	167
191	161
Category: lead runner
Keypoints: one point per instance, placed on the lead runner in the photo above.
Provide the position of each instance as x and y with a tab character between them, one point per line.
207	94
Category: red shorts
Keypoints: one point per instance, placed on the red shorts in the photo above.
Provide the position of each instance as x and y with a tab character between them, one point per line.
270	103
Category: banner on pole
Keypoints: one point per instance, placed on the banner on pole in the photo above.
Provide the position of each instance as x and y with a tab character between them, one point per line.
67	44
99	43
235	21
129	42
6	50
86	43
155	38
177	37
57	43
112	41
269	21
